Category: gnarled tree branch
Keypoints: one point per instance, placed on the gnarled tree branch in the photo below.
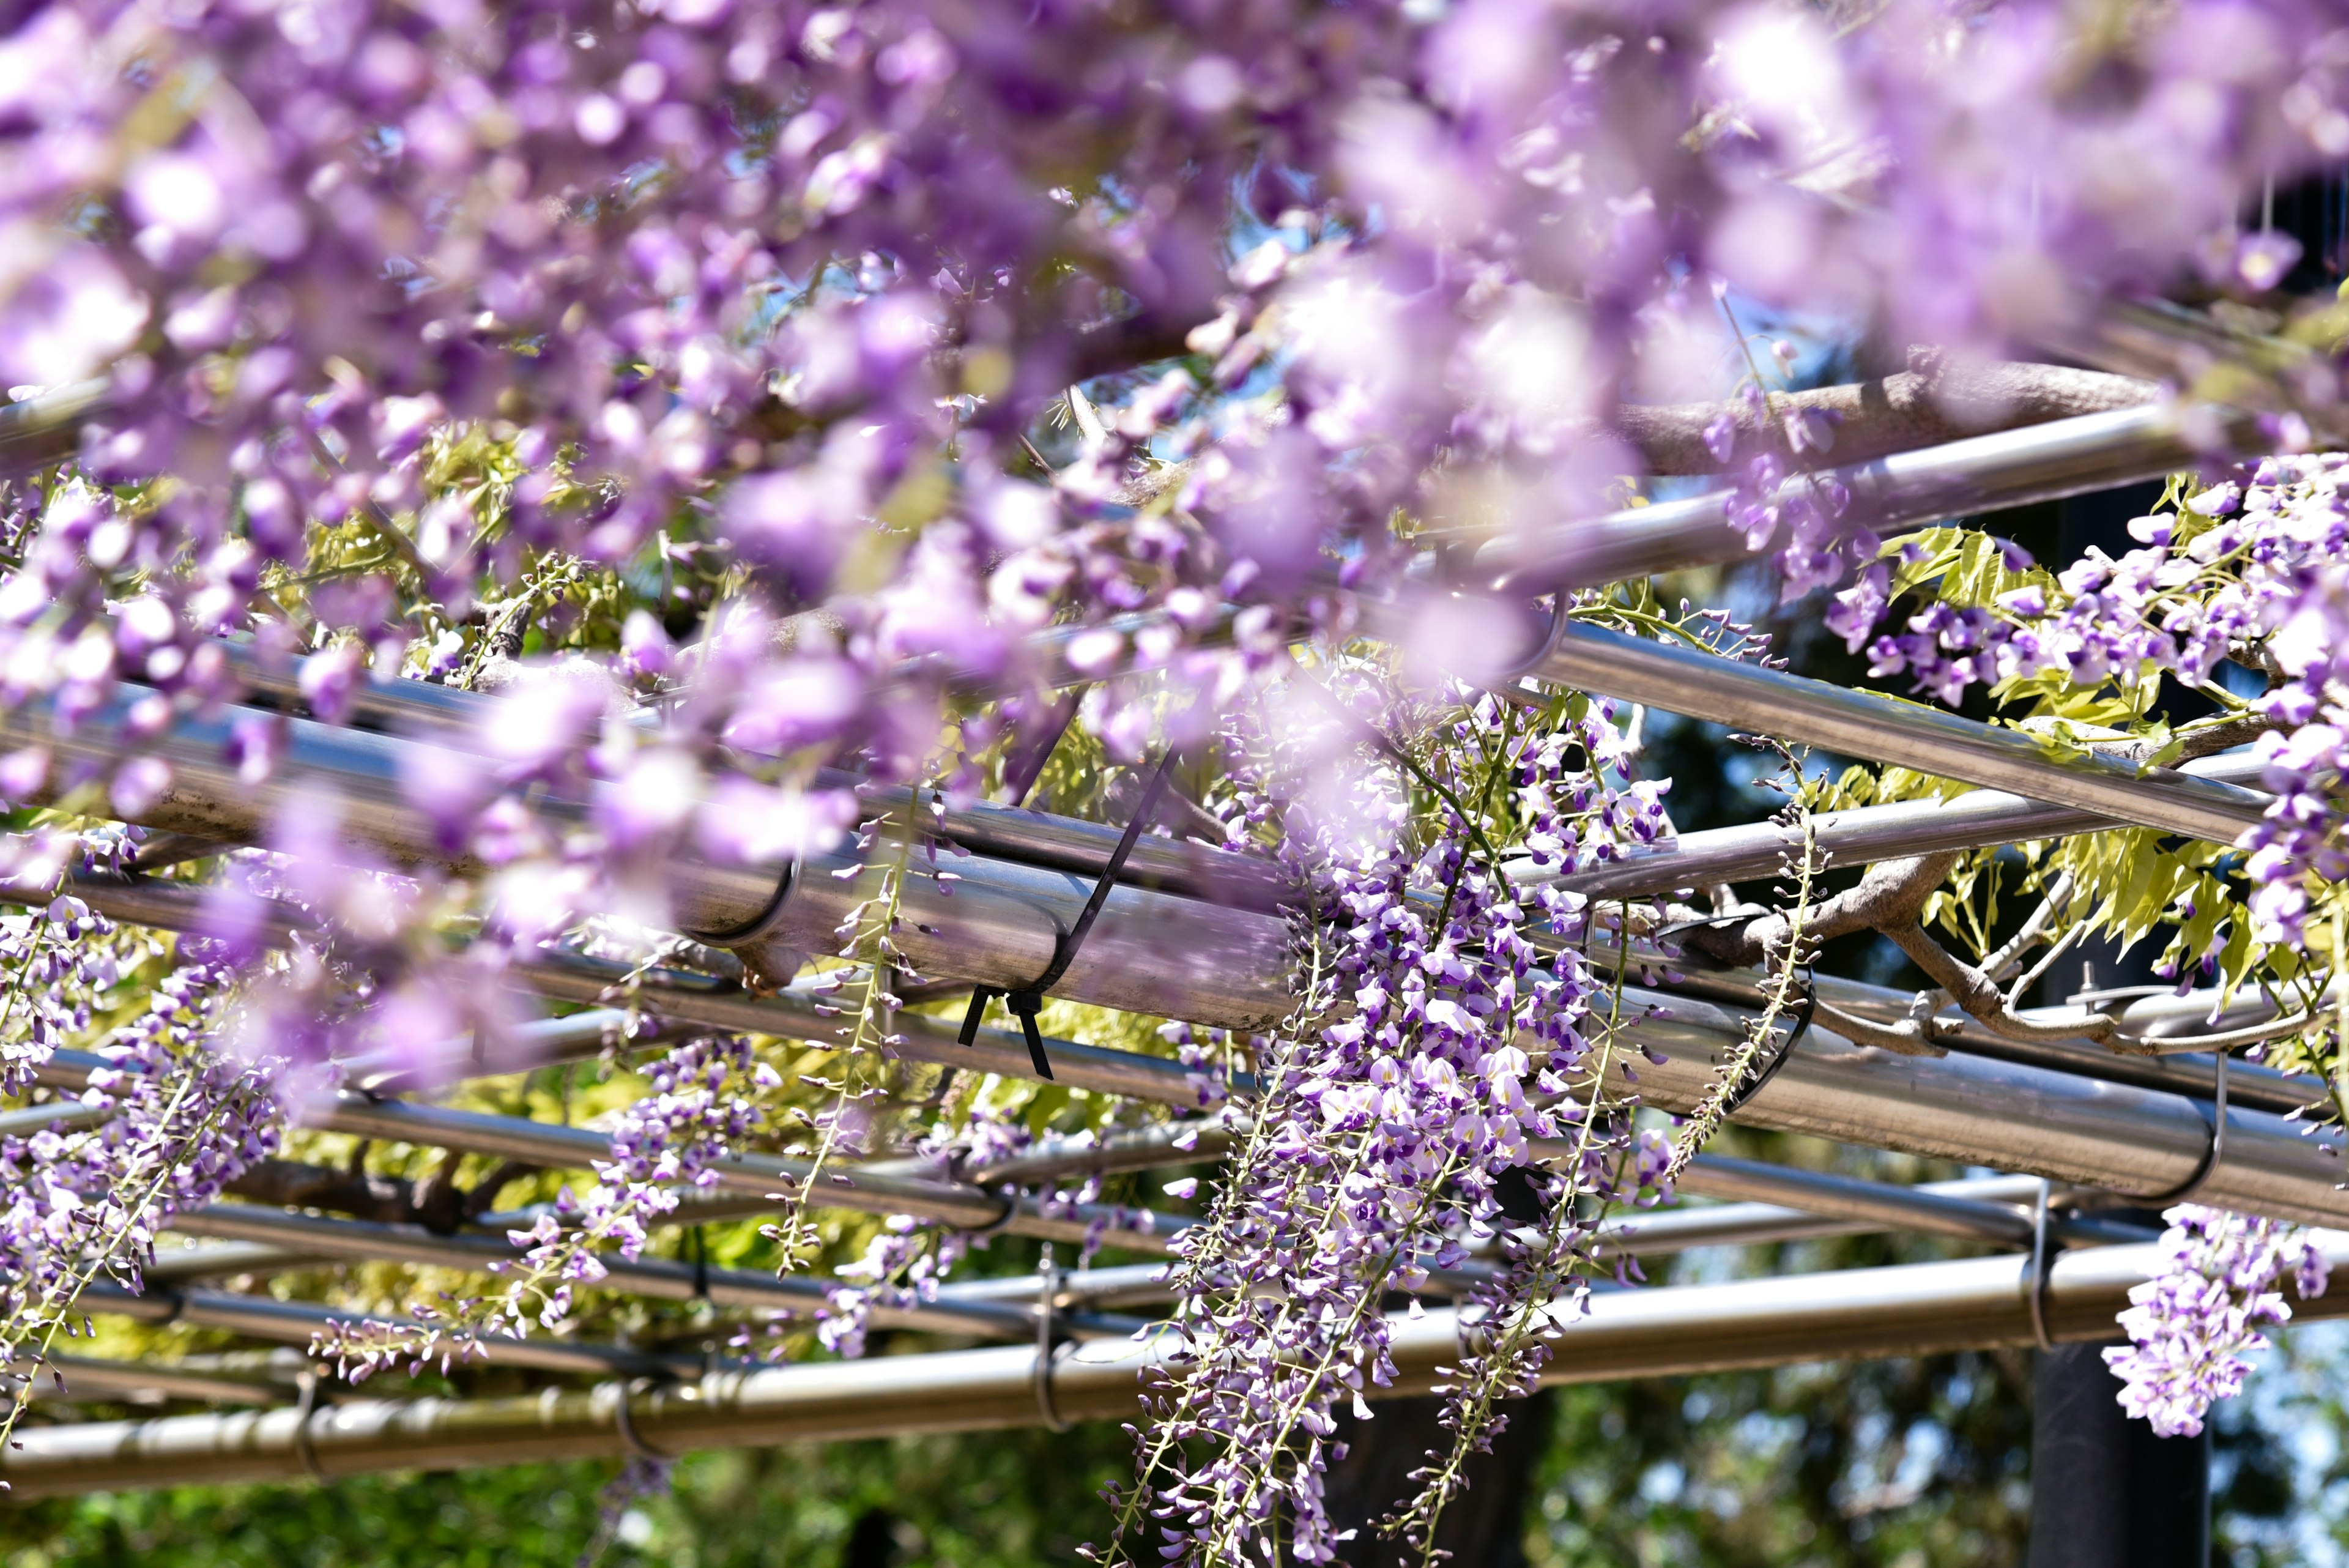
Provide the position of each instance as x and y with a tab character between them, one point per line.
1926	405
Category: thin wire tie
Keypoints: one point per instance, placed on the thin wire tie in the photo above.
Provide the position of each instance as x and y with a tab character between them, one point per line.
2039	1270
1047	1281
2211	1155
306	1407
1026	1000
626	1424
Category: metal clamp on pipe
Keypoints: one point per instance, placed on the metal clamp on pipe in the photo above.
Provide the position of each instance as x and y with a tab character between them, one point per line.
1048	1346
629	1437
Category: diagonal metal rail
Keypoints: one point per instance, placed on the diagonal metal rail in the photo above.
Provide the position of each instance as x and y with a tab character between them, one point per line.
1881	728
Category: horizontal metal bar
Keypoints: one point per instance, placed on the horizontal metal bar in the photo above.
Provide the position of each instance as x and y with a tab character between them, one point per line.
1934	1212
361	770
47	429
1971	1108
1979	1111
187	1265
1861	836
1933	484
2249	1085
978	918
1167	1143
361	1242
535	1043
841	1185
1071	844
65	1115
1912	1310
797	1014
1880	729
298	1323
108	1378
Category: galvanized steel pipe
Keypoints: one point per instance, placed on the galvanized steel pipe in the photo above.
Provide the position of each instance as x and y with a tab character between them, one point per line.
1861	836
1913	1310
2133	1141
1880	729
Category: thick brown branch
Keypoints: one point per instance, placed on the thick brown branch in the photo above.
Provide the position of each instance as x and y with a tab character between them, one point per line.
1891	893
1925	405
433	1202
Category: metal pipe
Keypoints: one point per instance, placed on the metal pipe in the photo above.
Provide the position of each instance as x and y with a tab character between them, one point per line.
1972	1109
2248	1084
190	1264
46	428
796	1014
999	923
990	921
298	1322
841	1185
1194	870
1911	1310
106	1377
359	770
535	1043
793	1014
1978	1111
1983	473
1940	1213
1144	1148
1859	836
1881	728
361	1241
65	1115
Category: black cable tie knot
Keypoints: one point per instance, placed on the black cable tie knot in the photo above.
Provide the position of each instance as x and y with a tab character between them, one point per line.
1025	1001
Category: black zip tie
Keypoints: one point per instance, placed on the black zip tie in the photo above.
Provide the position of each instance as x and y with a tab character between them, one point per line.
2211	1155
1025	1001
1022	789
629	1440
1754	1085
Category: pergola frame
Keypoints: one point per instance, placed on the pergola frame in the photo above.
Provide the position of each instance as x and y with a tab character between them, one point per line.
1200	936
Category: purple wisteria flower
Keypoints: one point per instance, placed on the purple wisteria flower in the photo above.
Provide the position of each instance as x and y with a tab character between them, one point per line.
2192	1325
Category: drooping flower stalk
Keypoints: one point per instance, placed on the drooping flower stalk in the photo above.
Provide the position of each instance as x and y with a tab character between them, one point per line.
1387	1117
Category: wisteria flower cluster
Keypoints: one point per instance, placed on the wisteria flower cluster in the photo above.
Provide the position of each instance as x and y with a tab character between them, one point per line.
703	1103
180	1121
2192	1325
2250	569
1431	1039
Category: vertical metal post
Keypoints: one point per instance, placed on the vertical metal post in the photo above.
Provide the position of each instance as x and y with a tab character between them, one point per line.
2106	1492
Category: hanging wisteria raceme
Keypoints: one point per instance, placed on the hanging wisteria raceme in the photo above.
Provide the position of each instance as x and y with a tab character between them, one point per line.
667	1143
1428	1040
2193	1324
183	1120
